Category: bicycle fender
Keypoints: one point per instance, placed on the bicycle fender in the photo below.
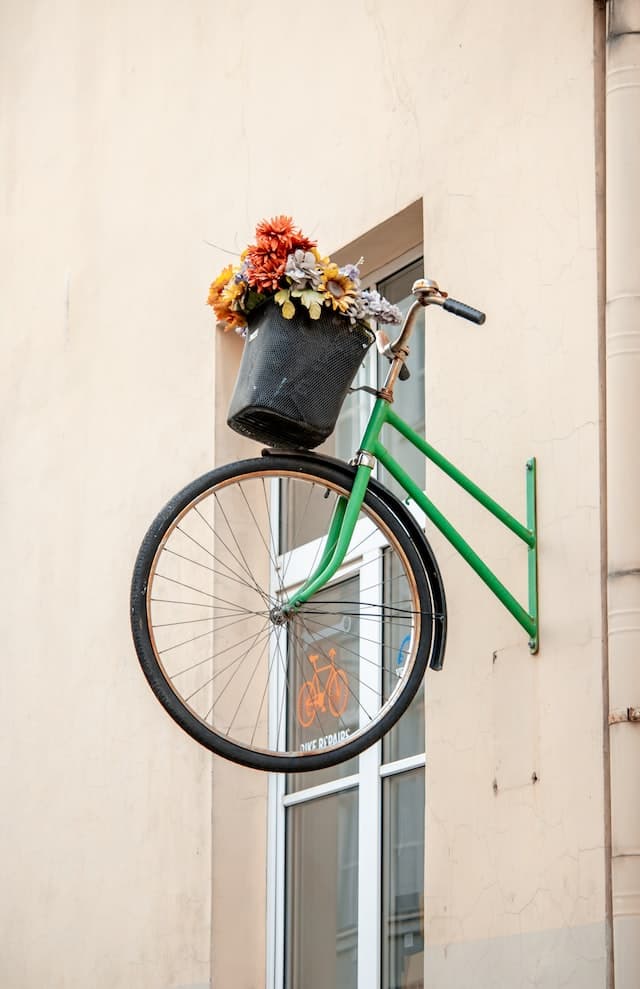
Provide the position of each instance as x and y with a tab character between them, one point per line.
405	517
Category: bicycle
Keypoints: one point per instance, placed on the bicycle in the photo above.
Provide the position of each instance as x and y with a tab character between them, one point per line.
313	697
220	566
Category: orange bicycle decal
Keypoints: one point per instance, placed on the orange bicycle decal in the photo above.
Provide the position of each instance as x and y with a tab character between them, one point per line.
313	697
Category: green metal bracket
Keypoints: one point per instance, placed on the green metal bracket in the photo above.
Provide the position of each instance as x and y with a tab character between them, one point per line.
532	525
526	617
346	514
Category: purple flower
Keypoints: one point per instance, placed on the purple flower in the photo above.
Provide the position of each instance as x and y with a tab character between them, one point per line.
375	306
352	271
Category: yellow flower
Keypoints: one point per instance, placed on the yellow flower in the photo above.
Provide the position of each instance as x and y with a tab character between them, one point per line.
233	291
218	285
338	289
288	309
225	295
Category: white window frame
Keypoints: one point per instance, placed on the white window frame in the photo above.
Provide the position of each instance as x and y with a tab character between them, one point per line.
368	780
371	364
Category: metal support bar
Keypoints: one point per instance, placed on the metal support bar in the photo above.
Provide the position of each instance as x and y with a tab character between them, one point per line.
461	479
346	514
528	619
503	594
532	524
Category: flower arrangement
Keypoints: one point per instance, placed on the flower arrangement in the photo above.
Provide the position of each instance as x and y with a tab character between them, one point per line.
286	266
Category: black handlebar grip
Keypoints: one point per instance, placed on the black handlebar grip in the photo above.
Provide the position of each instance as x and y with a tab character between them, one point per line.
404	373
462	309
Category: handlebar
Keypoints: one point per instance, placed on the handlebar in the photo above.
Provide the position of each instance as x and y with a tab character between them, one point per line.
462	309
427	293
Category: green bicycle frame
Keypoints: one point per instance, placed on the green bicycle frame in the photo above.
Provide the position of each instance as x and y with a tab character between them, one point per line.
347	511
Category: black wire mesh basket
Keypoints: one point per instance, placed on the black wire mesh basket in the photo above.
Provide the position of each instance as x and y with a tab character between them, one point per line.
294	375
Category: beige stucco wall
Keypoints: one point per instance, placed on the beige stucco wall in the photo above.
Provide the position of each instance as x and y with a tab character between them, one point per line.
132	135
493	125
106	409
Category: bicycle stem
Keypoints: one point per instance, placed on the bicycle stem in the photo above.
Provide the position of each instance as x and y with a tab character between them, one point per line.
427	293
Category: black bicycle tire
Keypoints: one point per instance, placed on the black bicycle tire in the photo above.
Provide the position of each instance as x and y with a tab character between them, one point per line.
429	593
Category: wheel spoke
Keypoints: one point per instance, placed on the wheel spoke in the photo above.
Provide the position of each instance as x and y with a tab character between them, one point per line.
218	673
245	566
217	571
358	654
239	577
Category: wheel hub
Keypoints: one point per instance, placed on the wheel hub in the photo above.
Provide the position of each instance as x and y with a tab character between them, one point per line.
278	616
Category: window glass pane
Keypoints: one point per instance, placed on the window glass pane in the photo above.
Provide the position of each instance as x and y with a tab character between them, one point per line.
305	513
325	675
322	893
409	399
403	881
352	420
304	517
407	737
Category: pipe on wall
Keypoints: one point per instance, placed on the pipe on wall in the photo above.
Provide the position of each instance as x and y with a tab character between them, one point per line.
623	476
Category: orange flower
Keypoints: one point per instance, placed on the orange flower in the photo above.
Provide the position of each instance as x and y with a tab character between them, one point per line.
266	267
225	313
280	235
276	239
233	320
262	267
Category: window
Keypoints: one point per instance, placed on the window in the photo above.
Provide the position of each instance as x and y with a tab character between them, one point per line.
322	892
347	844
395	284
403	880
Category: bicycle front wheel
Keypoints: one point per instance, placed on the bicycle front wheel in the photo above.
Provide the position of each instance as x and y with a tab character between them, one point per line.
225	661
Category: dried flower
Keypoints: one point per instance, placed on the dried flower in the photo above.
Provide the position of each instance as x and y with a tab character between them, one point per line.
276	239
375	306
352	271
286	266
218	284
266	268
279	234
303	270
338	289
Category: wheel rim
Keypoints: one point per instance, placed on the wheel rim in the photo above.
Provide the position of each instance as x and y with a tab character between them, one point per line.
216	583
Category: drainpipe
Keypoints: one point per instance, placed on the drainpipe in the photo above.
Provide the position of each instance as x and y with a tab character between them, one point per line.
623	476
